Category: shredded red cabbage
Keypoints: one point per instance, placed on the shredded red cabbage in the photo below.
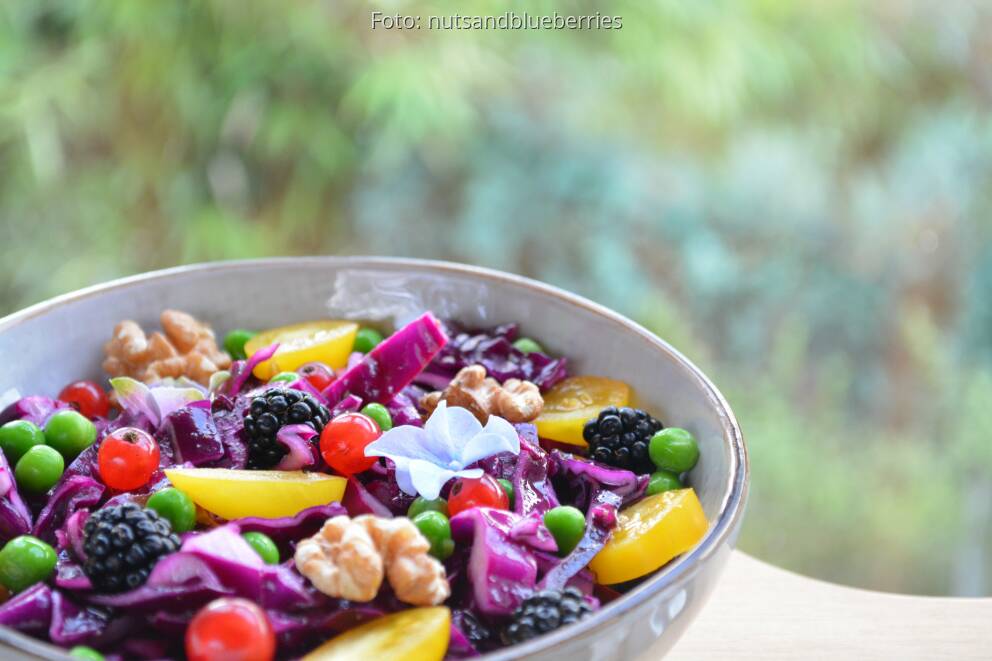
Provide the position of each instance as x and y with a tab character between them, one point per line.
241	369
15	519
392	364
357	500
502	570
286	530
493	349
531	484
36	409
193	433
65	499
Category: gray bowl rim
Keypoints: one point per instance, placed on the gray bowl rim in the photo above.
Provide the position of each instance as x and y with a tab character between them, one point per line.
671	578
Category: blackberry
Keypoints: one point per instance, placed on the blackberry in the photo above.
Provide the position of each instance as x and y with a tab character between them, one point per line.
474	629
269	412
122	544
620	437
545	611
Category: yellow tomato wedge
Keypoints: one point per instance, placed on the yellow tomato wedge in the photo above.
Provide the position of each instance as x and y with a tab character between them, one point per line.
573	402
232	494
329	342
649	534
418	633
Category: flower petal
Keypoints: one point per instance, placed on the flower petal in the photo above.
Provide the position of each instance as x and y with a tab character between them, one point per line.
497	436
470	473
402	472
426	459
451	427
428	478
408	442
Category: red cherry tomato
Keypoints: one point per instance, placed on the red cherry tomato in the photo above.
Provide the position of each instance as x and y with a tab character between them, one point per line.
318	374
86	397
343	441
485	491
230	629
127	458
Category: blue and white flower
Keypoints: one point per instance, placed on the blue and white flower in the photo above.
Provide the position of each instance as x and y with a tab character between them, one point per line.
451	439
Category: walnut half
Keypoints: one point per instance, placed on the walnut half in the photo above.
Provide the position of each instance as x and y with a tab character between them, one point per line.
349	557
515	400
342	560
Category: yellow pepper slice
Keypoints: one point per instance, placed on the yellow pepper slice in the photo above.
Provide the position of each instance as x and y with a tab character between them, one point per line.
649	534
232	494
418	633
329	342
573	402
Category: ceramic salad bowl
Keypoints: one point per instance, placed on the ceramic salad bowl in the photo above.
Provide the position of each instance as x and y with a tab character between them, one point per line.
261	293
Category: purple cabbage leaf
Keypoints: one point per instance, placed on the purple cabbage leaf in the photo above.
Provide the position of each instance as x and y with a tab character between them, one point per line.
192	432
501	569
301	451
68	496
533	491
241	369
15	519
35	408
285	530
155	402
392	365
493	349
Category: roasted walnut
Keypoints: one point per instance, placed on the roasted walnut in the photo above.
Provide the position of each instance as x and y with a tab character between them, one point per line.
186	348
514	400
349	557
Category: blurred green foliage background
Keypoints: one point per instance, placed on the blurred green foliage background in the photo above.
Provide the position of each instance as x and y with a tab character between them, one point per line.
796	194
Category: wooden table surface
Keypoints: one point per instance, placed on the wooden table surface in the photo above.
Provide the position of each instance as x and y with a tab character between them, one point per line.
758	611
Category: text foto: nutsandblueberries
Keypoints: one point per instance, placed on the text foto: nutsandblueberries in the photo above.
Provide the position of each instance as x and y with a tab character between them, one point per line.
505	21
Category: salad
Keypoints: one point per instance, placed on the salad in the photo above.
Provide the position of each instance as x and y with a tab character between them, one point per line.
323	491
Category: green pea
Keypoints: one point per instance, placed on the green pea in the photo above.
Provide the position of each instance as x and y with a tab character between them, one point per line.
264	546
39	469
175	506
662	480
527	345
674	449
511	494
24	561
421	505
86	653
17	437
435	527
367	339
288	377
380	414
234	342
69	432
567	525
